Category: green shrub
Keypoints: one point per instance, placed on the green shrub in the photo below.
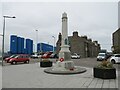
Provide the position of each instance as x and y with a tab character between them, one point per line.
105	65
45	60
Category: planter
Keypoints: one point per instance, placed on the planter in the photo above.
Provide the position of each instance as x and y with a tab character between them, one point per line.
45	64
104	73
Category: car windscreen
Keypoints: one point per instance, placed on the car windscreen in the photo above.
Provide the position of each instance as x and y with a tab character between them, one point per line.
101	55
16	56
12	56
117	55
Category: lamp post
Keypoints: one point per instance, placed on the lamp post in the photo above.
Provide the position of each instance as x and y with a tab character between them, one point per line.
34	47
41	47
54	43
1	35
4	36
36	39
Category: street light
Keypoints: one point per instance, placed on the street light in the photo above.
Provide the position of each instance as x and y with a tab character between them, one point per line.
54	43
4	36
34	47
36	39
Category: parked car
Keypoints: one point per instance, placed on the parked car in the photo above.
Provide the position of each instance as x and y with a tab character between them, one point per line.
101	56
19	58
7	59
46	55
75	56
6	55
53	55
34	56
108	55
115	58
40	55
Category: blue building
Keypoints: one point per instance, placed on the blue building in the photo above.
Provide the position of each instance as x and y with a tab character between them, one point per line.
42	47
19	48
17	45
22	45
29	46
13	44
25	51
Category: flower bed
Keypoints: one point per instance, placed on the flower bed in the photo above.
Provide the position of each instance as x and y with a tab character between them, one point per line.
105	70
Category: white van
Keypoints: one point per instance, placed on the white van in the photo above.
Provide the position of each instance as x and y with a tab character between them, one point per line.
101	56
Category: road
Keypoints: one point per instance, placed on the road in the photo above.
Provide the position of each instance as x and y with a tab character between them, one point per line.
85	62
89	62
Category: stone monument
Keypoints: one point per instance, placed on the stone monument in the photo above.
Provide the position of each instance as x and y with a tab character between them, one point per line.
64	65
65	52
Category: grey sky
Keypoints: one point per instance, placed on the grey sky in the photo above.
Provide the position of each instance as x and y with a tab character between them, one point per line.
97	20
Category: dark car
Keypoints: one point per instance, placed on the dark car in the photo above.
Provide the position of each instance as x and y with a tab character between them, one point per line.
6	55
19	58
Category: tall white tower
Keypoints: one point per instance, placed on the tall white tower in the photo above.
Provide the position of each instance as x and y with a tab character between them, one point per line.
65	52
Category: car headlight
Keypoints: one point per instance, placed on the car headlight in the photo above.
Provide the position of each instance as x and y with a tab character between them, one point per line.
10	60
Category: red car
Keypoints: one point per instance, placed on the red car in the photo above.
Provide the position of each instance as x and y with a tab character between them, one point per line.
19	58
46	55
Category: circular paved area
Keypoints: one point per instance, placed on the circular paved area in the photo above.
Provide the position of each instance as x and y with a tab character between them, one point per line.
77	70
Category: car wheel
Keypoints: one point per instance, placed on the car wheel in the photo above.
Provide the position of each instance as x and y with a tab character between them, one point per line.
113	61
26	61
14	62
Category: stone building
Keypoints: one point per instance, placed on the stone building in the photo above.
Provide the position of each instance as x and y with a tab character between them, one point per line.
116	41
81	45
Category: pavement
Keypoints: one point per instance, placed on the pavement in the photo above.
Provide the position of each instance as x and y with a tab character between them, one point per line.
33	76
0	73
0	77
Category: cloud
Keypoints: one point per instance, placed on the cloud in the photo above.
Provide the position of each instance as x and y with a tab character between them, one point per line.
97	20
